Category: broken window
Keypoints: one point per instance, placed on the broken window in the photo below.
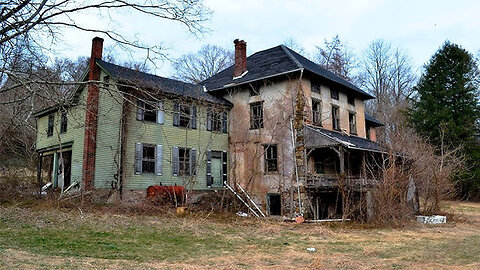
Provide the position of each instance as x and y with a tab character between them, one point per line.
256	115
334	94
316	88
317	112
63	123
335	118
148	159
271	160
185	115
184	161
351	100
149	111
352	119
51	123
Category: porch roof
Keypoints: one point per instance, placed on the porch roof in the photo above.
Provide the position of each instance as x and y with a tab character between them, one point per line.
317	137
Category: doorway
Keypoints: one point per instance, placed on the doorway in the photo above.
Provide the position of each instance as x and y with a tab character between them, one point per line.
217	172
274	204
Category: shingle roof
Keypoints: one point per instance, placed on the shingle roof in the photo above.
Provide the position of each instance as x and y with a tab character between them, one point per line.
374	122
330	138
149	81
273	62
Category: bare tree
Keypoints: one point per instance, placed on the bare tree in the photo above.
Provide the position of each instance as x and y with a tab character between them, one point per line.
208	61
336	57
294	45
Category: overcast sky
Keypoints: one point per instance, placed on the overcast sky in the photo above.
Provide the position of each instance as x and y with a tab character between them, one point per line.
419	27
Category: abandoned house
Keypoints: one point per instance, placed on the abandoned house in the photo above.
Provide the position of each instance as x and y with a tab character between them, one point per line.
274	123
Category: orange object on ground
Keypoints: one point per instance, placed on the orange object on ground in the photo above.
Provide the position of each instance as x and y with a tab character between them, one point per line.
166	192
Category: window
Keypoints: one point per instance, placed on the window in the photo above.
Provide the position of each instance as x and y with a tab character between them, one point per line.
148	159
335	118
271	160
51	122
147	111
63	123
106	81
351	100
317	112
316	88
334	94
352	120
319	166
256	115
368	132
184	161
185	115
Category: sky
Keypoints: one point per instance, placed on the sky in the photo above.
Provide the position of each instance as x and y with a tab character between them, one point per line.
418	27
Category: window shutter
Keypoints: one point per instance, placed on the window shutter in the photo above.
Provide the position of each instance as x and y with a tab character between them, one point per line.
225	122
193	119
209	119
224	166
175	165
193	161
160	113
176	114
209	168
140	106
138	158
159	160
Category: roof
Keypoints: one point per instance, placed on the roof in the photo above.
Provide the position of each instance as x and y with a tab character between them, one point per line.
373	122
273	62
317	137
166	85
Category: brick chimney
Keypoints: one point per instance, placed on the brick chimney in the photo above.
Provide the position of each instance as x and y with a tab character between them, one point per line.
240	57
91	121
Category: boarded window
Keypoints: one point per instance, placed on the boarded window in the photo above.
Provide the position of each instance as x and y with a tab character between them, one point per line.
352	119
63	123
51	123
271	160
335	118
317	112
256	115
334	94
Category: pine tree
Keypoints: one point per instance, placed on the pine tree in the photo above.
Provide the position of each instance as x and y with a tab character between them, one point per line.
447	102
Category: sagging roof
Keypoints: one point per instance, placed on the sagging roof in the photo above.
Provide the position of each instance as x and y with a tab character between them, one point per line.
373	122
317	137
166	85
273	62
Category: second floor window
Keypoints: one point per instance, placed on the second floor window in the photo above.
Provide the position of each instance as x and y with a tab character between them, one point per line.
335	118
51	123
185	115
271	158
216	120
150	111
352	119
316	88
63	123
317	112
256	115
334	94
351	100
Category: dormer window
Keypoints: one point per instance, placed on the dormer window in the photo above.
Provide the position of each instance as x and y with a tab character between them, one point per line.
334	94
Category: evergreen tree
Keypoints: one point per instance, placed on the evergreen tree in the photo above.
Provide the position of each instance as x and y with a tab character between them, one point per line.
446	109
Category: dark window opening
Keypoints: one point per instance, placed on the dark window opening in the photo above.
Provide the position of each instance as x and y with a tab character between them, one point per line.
185	113
271	160
317	112
335	118
334	94
51	123
368	132
184	161
217	121
63	123
351	100
148	159
149	112
256	115
274	204
319	166
316	88
352	119
106	81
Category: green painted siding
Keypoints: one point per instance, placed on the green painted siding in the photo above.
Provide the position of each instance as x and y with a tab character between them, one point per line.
169	136
75	133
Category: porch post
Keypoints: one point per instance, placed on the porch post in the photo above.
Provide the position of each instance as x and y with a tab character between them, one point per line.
39	173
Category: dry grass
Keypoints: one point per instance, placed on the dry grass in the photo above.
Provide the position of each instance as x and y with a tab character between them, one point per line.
36	238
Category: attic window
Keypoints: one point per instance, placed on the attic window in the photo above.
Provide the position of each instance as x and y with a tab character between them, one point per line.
316	88
351	100
334	94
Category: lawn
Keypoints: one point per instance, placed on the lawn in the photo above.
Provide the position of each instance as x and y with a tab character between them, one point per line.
39	238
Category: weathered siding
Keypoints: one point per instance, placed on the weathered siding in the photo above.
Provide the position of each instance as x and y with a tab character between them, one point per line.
169	136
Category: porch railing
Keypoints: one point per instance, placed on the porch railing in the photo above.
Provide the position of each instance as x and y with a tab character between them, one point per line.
331	180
